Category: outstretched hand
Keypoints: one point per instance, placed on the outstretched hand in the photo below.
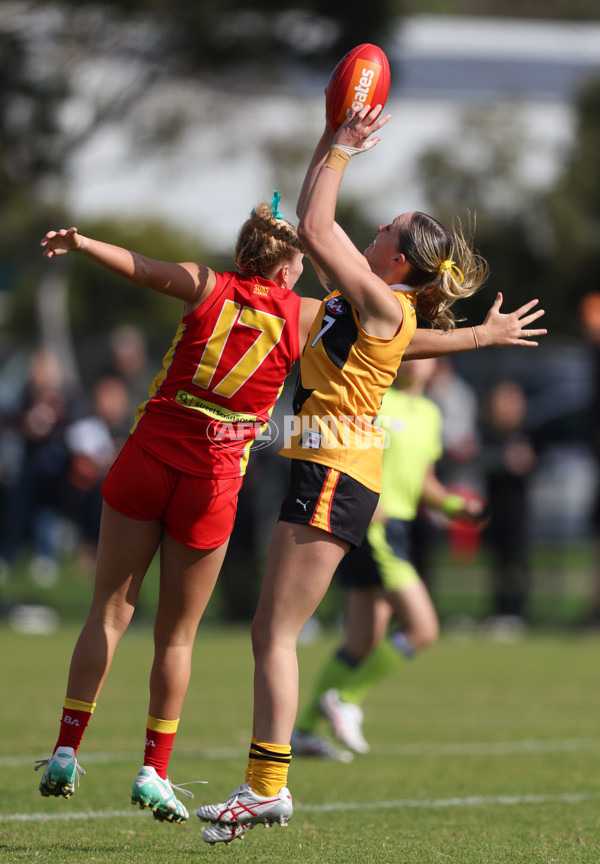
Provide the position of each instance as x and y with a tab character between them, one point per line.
61	242
510	328
354	133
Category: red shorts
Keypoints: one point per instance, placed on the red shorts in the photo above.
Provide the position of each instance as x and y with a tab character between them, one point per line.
195	511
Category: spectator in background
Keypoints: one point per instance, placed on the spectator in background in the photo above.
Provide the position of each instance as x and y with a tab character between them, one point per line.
589	314
457	467
240	577
34	504
457	401
508	460
94	442
129	361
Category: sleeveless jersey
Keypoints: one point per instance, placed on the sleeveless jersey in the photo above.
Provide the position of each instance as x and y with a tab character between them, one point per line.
221	377
344	373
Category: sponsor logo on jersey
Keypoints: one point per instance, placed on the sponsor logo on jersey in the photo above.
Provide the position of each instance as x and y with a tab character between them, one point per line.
261	289
217	412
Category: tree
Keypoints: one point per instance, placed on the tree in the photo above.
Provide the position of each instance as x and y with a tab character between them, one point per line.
72	71
265	35
573	207
54	97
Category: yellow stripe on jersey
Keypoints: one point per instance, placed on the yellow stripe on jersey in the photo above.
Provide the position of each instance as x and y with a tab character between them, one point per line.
160	377
246	454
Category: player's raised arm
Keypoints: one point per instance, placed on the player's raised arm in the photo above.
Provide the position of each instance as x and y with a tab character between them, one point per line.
321	151
189	282
365	288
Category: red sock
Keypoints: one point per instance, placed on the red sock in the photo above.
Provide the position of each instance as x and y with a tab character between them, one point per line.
160	736
75	717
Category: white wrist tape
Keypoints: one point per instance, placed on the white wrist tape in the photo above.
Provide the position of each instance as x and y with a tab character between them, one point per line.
351	151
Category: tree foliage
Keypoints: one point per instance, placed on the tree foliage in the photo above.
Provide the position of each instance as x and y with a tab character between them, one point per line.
573	207
569	10
265	35
70	71
55	65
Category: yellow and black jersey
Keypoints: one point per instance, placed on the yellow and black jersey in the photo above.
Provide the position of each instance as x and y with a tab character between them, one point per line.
344	373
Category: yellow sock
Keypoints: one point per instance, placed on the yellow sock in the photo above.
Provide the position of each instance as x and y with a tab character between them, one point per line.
78	705
268	767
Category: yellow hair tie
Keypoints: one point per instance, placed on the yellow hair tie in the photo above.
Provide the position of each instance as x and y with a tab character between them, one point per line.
456	271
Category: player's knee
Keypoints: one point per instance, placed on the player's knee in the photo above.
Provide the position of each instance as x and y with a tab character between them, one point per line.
431	633
425	634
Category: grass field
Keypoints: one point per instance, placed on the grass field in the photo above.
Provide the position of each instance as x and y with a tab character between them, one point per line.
483	752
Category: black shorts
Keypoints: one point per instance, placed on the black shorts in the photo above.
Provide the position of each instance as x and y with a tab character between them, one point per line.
330	500
383	560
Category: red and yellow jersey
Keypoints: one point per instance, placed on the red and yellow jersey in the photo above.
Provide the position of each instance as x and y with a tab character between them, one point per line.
221	377
344	373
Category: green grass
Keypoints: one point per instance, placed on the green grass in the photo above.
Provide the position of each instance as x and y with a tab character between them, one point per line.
483	752
562	579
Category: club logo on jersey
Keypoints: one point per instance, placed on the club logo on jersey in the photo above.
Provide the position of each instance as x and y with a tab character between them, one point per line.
311	439
232	434
336	306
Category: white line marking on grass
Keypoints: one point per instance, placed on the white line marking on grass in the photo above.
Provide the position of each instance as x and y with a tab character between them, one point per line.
67	817
482	748
492	748
431	803
338	806
133	756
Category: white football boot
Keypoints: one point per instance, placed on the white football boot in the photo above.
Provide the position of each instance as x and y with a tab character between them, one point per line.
245	807
346	721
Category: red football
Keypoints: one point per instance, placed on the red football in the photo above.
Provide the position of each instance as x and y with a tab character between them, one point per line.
362	77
